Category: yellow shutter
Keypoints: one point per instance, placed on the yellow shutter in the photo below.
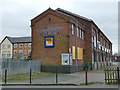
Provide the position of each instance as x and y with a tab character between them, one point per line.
81	53
73	52
78	53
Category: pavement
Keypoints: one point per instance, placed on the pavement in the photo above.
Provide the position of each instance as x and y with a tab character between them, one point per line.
81	86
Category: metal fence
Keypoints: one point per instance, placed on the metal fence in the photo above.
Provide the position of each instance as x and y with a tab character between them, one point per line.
16	67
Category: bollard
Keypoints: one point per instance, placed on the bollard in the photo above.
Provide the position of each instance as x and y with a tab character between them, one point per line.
86	75
5	76
30	76
118	74
56	76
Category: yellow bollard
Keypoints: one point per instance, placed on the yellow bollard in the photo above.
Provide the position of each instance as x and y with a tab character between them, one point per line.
95	65
99	64
102	64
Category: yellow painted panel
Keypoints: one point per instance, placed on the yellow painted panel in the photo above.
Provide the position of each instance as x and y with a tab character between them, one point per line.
95	65
73	52
78	53
81	53
99	64
102	64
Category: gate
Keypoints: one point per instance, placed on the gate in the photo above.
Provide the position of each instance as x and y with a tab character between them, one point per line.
112	75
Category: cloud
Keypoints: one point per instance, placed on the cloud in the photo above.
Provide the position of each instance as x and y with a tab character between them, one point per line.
16	15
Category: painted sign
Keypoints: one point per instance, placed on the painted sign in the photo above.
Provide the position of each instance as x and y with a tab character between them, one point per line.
49	41
65	59
73	52
50	30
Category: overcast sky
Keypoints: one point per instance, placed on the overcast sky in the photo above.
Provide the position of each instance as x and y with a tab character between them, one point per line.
16	15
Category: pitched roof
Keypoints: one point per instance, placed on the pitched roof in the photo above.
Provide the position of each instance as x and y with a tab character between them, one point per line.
19	39
71	18
62	10
68	12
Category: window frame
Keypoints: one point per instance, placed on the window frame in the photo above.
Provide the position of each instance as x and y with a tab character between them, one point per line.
9	46
30	44
73	31
15	45
8	54
21	53
3	54
80	33
14	52
20	46
77	31
3	46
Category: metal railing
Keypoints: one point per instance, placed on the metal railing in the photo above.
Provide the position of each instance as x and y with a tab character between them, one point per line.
16	67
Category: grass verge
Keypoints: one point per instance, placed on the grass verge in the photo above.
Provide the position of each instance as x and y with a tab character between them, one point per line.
25	77
89	83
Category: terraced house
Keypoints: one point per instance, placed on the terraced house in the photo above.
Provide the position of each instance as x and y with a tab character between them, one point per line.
62	39
15	47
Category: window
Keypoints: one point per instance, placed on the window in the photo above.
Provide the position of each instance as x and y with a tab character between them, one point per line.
20	52
8	54
94	31
29	51
80	33
77	32
98	36
15	52
72	29
25	51
29	45
3	46
3	54
20	45
8	46
15	45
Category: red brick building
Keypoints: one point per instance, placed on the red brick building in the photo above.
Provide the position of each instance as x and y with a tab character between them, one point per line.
72	34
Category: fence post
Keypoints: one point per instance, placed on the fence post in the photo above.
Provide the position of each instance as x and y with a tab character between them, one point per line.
86	75
5	76
118	73
18	65
56	76
105	76
108	75
9	67
30	75
113	75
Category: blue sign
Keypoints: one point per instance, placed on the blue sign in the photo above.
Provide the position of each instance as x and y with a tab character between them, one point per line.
49	41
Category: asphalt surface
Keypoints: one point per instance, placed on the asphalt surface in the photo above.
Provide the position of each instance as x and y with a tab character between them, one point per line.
82	86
